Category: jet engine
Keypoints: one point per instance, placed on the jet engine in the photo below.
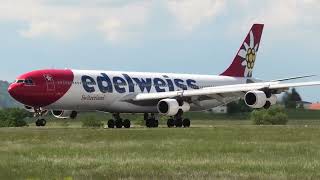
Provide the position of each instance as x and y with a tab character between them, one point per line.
64	114
273	99
259	99
170	107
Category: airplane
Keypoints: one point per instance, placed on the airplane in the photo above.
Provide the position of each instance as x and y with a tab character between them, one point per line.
65	92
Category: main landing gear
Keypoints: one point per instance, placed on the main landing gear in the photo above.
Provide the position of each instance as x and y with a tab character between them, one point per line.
178	121
152	121
118	122
175	121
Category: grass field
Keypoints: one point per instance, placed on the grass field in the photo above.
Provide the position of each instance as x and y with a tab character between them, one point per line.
214	149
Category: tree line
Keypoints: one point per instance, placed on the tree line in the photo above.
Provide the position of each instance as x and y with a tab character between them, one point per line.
13	117
5	99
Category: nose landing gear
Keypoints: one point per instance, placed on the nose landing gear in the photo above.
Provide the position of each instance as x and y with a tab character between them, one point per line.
38	112
41	122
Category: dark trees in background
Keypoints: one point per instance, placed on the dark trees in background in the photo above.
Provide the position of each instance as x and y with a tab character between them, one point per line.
6	101
290	99
237	107
13	117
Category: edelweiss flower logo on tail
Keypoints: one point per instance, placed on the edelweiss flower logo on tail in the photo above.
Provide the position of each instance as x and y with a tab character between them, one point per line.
243	63
248	55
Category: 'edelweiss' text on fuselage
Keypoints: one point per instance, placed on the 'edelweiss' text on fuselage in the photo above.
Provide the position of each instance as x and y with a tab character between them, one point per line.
108	85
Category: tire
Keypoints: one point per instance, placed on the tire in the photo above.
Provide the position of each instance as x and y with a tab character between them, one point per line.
118	123
156	123
111	123
153	123
38	123
170	123
267	105
43	122
149	123
178	122
126	123
186	122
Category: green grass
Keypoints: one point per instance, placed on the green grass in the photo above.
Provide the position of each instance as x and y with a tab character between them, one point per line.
302	114
210	150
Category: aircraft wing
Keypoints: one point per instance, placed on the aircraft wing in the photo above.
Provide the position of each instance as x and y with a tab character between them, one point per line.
293	78
286	86
220	91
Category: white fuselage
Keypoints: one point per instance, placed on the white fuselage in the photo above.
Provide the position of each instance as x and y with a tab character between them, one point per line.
107	90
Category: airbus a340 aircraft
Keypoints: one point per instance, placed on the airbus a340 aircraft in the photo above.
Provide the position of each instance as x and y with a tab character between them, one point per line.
66	92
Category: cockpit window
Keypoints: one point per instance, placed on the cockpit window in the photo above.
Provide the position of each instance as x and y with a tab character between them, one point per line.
20	81
29	81
25	81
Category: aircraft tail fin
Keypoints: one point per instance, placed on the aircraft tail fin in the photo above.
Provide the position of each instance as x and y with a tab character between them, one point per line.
243	63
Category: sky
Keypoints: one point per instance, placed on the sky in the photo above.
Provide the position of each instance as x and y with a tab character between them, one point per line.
185	36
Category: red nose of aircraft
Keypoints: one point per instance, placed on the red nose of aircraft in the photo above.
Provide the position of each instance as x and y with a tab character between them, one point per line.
15	91
42	87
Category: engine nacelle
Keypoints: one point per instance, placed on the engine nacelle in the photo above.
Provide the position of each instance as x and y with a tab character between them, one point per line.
259	99
29	108
255	99
273	99
64	114
170	107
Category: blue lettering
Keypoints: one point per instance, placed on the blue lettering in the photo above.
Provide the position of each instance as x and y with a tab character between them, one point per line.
130	82
105	84
158	83
118	82
179	83
170	84
192	84
143	84
102	87
86	82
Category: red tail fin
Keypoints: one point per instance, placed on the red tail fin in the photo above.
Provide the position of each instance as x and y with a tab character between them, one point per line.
243	63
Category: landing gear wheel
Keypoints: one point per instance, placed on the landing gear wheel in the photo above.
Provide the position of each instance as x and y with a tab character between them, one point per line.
111	123
150	122
38	122
267	105
170	123
41	122
186	122
118	123
156	123
126	123
178	122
